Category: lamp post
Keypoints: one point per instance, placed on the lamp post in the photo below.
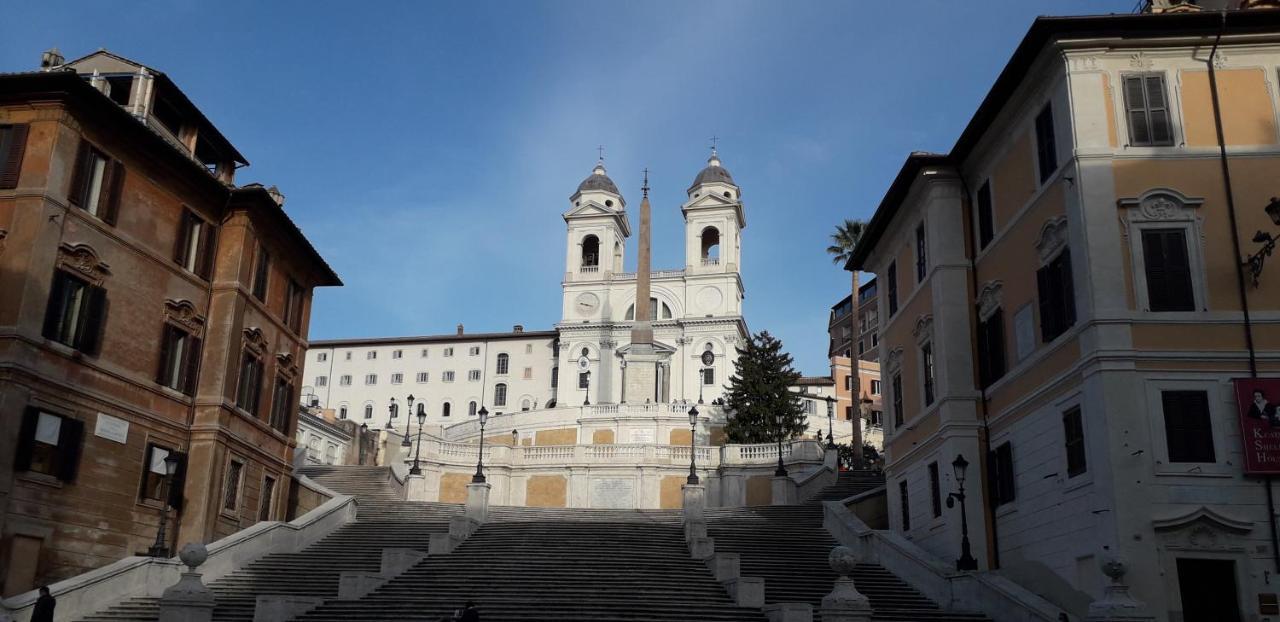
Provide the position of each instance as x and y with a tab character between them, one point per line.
515	437
408	412
966	561
161	547
586	393
693	432
831	418
391	413
478	478
708	359
422	419
781	471
1267	240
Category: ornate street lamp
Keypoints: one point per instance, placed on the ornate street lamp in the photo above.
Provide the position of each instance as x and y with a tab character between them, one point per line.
391	414
1267	240
422	419
478	478
781	471
161	547
966	561
831	417
693	432
408	412
515	437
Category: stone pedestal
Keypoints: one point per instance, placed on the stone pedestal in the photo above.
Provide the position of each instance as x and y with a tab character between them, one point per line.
784	490
415	488
726	566
702	548
746	591
1117	605
845	603
188	600
831	459
695	503
477	508
642	373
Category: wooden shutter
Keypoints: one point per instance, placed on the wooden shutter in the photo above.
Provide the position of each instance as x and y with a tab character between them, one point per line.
166	351
80	175
1048	315
26	438
1066	290
53	312
89	337
986	225
1135	103
11	159
114	186
192	365
69	448
179	481
1188	430
208	246
180	244
1168	270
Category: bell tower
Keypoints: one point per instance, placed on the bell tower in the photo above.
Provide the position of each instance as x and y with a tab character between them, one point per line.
713	221
597	228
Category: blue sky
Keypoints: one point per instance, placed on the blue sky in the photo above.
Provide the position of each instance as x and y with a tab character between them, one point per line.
428	149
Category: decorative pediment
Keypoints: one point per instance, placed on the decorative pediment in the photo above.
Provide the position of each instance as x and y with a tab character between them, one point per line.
1052	238
1202	516
923	327
893	359
286	365
82	259
1161	204
184	314
254	340
990	298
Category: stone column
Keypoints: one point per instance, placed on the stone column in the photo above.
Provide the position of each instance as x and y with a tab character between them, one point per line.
477	508
844	603
1116	604
188	600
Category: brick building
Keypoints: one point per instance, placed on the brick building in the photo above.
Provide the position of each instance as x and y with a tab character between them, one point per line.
148	306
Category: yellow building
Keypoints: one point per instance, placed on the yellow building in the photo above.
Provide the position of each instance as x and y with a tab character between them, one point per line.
1077	343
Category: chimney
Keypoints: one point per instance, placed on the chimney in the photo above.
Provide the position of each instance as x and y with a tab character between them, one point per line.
276	195
51	59
459	329
518	328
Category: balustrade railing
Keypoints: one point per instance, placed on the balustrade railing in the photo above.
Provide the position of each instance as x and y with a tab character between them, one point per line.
448	452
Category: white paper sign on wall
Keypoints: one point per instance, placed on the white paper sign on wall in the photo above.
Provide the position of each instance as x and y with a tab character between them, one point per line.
111	428
644	435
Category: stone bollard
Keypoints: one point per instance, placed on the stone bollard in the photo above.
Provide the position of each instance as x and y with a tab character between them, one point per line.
415	488
477	508
694	503
1116	604
784	490
188	600
844	603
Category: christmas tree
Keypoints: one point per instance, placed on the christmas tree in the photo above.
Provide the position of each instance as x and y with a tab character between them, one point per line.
761	406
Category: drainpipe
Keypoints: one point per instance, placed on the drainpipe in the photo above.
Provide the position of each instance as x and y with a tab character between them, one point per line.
1237	254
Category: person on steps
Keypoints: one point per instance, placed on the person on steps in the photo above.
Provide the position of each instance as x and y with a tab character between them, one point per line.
43	611
470	613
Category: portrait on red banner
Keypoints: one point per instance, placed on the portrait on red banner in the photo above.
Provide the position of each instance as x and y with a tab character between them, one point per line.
1256	404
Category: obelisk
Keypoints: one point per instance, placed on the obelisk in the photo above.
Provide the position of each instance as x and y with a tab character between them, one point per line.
641	375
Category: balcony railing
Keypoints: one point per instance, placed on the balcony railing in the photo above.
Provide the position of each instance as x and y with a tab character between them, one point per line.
710	261
464	454
589	269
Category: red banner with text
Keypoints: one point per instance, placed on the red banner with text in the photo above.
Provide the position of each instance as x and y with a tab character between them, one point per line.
1256	404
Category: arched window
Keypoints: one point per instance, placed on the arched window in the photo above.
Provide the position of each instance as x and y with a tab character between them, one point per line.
590	252
710	246
500	394
524	404
504	364
342	411
395	411
368	411
654	306
445	408
471	408
422	409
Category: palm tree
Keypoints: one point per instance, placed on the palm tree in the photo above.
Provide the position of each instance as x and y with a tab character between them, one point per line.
843	241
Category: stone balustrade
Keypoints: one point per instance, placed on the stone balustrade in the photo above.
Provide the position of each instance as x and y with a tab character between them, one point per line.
440	451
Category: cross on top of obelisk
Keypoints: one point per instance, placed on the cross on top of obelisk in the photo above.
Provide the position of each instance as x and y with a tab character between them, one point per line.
645	187
714	139
600	149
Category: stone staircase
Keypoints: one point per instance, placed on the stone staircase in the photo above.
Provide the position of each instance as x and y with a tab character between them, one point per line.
362	482
848	484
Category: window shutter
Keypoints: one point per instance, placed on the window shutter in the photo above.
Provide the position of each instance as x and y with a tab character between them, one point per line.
180	245
166	349
1067	291
1004	456
1168	271
1135	107
89	339
179	481
80	175
993	478
26	437
193	365
986	225
11	164
53	313
69	448
115	186
208	246
1045	298
146	469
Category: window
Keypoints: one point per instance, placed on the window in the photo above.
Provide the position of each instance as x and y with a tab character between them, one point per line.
422	377
262	274
1168	270
322	381
555	377
1188	429
195	245
1046	145
584	380
474	351
179	359
862	347
525	405
448	351
342	412
344	380
935	489
445	409
500	394
926	362
708	376
473	375
528	348
49	444
268	491
1000	461
1147	111
370	379
986	225
13	142
96	183
892	277
848	383
504	364
528	373
282	405
153	475
810	407
896	387
1057	297
231	490
397	378
471	409
991	361
877	417
371	355
906	506
348	356
424	353
396	354
76	313
293	306
922	256
875	387
249	385
1073	438
448	376
368	411
322	357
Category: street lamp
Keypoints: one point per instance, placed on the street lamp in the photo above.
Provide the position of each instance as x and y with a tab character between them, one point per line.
161	548
708	359
831	418
693	432
781	471
515	437
408	412
966	561
478	478
422	419
391	414
1267	240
